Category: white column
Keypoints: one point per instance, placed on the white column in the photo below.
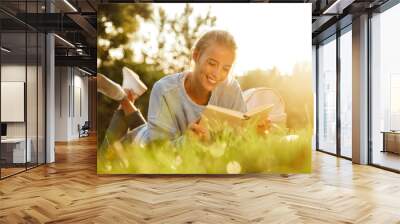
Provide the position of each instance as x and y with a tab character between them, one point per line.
360	90
50	93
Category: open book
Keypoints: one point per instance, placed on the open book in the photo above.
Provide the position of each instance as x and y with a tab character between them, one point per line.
113	90
214	116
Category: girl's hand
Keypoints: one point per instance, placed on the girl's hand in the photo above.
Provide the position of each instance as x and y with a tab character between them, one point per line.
130	95
199	131
263	126
127	104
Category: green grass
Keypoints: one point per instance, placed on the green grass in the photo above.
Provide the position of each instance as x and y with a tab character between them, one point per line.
227	151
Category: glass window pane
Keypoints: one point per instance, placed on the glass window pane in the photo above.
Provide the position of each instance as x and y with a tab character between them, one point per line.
395	102
346	94
31	97
314	78
386	88
41	98
327	97
14	153
22	73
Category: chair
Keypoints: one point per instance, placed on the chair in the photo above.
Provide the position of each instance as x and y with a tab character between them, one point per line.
84	130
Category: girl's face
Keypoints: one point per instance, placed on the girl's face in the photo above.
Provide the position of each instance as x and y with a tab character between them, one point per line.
212	66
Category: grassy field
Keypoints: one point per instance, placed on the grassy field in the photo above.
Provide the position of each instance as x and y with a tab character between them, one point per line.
228	151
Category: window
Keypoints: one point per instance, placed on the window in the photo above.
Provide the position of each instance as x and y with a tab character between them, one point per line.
385	87
346	93
327	96
22	67
395	102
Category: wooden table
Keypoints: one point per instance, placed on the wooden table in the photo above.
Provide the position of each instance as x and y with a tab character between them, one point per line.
391	141
13	150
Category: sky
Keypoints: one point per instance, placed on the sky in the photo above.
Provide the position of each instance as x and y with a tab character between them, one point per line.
267	35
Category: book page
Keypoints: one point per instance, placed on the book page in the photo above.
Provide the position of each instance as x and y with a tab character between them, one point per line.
214	116
226	111
261	109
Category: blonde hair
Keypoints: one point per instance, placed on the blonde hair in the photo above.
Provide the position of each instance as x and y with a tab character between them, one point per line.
221	37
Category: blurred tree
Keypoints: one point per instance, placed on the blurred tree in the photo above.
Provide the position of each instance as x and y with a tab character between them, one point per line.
295	89
260	78
118	26
176	38
115	25
297	92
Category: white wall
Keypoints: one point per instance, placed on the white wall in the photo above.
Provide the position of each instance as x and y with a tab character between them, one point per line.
61	103
71	93
13	73
33	127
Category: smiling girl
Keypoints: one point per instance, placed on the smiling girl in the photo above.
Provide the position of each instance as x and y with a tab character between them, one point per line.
177	101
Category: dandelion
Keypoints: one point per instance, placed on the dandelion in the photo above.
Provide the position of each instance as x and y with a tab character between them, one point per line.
178	160
233	167
290	138
108	166
217	149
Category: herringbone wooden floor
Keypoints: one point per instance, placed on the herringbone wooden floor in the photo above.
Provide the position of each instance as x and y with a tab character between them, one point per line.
70	191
